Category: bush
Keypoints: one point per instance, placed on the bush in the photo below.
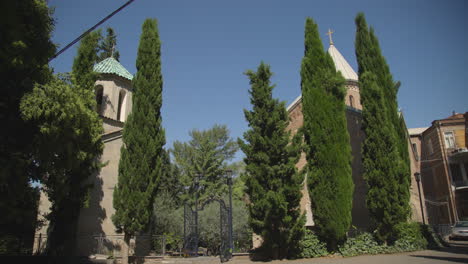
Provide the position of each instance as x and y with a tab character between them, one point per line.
362	244
311	246
410	238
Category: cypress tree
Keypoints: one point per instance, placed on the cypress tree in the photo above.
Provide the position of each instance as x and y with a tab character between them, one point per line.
326	137
83	75
273	184
141	160
394	187
108	46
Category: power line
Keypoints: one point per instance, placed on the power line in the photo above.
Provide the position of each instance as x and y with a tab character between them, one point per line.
91	29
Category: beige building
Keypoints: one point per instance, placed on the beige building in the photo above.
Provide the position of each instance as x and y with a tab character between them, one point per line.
360	214
114	103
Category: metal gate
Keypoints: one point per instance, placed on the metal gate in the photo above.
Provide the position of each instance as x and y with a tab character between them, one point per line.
191	228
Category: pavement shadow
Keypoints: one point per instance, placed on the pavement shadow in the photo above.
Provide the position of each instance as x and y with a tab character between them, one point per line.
451	259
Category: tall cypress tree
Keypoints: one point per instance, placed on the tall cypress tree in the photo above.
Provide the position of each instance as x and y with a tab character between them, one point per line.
388	198
326	137
273	184
82	69
141	160
108	46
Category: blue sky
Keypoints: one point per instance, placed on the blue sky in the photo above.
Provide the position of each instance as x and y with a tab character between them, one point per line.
207	45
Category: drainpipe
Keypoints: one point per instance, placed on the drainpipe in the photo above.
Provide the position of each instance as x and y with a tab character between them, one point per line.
446	163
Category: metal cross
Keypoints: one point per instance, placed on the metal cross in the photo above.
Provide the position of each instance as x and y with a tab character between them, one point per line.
329	33
112	51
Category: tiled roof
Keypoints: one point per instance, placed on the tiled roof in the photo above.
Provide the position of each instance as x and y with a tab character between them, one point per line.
416	131
112	66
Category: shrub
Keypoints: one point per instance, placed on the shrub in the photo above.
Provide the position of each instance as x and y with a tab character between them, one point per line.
410	237
363	243
311	246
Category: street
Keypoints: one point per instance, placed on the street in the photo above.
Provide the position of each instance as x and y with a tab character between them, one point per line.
456	253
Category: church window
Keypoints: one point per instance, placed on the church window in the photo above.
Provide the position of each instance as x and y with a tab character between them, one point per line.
121	108
99	95
351	101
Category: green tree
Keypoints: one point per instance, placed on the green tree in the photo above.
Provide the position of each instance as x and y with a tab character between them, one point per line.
170	179
388	180
141	160
326	139
206	154
67	149
25	48
273	184
108	46
82	71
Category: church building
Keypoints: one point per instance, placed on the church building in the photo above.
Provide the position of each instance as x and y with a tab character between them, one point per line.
360	214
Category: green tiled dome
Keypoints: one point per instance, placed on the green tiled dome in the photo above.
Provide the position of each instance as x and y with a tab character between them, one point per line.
112	66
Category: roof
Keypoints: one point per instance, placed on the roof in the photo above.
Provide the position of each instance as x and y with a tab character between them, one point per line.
341	64
416	131
112	66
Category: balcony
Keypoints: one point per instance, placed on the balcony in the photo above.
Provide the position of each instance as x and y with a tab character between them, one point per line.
460	184
458	155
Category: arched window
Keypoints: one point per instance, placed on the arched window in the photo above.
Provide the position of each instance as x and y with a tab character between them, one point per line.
121	108
351	101
99	94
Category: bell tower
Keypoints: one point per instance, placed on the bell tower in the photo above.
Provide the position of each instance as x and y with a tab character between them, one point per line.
353	97
113	91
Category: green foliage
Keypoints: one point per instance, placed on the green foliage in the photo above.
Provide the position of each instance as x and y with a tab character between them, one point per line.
141	161
25	48
312	247
206	154
385	153
87	56
108	46
410	238
168	220
362	244
209	226
170	179
67	148
273	184
326	138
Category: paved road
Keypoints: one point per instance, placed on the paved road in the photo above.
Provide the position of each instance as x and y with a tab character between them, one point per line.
457	253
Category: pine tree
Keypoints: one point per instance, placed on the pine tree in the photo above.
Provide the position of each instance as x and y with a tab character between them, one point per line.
326	137
141	160
393	188
108	46
25	48
207	155
272	181
83	75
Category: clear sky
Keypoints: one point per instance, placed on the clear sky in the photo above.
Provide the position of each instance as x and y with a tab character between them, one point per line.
207	45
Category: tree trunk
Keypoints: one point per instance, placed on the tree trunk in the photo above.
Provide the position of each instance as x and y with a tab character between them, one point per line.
124	249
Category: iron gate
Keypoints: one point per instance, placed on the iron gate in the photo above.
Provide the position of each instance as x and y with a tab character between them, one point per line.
191	228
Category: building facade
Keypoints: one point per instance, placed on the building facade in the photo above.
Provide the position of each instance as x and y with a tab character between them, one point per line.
444	168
